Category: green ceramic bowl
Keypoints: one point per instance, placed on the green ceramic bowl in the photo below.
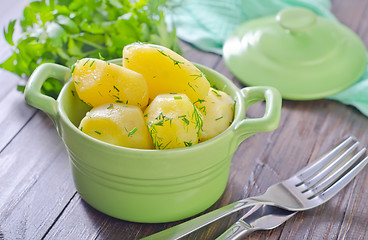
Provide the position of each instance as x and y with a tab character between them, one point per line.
150	185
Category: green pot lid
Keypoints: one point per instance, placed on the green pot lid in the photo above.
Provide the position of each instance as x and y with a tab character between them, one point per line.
302	55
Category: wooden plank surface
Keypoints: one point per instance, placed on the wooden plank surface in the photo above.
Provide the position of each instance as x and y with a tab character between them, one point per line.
38	199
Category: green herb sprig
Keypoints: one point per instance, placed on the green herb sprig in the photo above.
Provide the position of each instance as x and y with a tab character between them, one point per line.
63	31
132	132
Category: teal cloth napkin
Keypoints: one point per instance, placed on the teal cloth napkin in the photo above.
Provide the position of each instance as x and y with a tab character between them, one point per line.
207	23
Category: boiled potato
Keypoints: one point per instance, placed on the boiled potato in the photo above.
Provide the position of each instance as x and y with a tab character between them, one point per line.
118	124
173	121
218	112
99	82
165	71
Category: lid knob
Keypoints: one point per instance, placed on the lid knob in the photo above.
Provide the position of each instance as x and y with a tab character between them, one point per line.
296	19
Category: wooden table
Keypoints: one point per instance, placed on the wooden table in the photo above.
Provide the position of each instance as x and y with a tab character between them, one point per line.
38	198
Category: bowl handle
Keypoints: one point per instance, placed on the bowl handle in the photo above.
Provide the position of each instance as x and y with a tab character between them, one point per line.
271	118
33	94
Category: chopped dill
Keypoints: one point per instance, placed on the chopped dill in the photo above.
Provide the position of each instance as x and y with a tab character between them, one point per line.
191	87
159	123
176	62
119	101
185	120
203	109
216	93
219	118
114	96
178	98
73	68
156	140
188	144
166	145
163	119
132	132
85	102
110	106
100	56
86	62
197	76
198	120
92	63
117	89
160	116
97	132
199	101
162	52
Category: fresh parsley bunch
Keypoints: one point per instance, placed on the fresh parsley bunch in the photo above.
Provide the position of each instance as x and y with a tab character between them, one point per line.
63	31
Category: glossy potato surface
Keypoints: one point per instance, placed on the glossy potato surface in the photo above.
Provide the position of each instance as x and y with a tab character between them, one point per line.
218	112
98	82
165	71
173	121
118	124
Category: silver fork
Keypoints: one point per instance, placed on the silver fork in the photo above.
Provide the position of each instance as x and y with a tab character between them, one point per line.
309	188
260	217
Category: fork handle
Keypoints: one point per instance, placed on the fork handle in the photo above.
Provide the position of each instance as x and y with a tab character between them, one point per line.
237	231
190	226
241	228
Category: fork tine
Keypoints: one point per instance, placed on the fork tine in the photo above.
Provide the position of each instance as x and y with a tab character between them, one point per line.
343	181
324	172
338	173
310	170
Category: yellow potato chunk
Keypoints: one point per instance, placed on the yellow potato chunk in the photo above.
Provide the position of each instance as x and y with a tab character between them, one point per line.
99	82
118	124
165	71
218	113
173	121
